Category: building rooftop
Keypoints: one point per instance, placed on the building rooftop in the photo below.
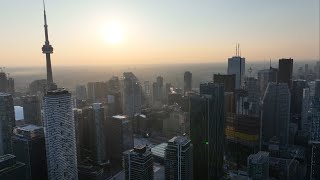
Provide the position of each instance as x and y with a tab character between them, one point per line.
179	140
159	150
29	127
58	91
4	94
259	158
119	117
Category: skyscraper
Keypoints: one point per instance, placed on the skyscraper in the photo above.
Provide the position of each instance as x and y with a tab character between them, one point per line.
47	49
11	89
138	163
258	166
131	94
121	139
100	153
264	77
317	89
207	132
29	148
187	81
253	95
315	160
178	159
276	112
31	110
229	81
97	91
60	135
7	122
285	71
81	92
236	65
3	82
296	99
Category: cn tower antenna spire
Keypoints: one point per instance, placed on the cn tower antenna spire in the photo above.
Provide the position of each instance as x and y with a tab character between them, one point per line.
47	49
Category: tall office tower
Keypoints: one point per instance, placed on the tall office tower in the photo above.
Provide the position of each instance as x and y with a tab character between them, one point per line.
157	90
60	135
131	94
11	89
79	133
178	159
315	160
207	117
285	71
97	91
306	100
317	89
11	169
99	133
7	122
81	92
276	112
138	163
258	166
229	81
317	69
37	86
31	110
3	82
306	71
264	77
187	81
48	49
121	139
147	88
296	99
29	147
236	65
253	95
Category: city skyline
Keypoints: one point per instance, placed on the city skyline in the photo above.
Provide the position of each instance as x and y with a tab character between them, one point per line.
105	32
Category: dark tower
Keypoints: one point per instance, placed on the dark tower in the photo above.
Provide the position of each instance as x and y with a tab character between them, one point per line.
47	49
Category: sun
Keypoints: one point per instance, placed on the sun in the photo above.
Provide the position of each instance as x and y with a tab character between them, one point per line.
113	34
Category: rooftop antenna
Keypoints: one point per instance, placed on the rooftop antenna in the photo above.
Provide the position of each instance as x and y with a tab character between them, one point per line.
236	50
239	50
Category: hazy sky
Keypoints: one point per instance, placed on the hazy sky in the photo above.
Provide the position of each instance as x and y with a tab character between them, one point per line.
157	31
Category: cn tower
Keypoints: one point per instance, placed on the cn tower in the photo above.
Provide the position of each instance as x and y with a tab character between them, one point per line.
47	49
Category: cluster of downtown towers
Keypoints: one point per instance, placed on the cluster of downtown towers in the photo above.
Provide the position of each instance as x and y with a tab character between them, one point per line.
234	107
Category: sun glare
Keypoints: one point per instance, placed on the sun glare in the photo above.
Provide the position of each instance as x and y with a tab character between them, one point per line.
113	34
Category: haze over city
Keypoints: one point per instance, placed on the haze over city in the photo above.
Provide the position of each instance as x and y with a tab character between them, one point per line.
153	90
158	32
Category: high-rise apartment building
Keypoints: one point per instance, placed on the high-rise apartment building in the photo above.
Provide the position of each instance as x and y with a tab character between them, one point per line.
285	71
97	91
11	89
276	112
31	110
258	166
29	147
236	66
60	135
138	163
81	92
7	122
178	159
99	118
187	81
207	132
121	139
131	94
315	160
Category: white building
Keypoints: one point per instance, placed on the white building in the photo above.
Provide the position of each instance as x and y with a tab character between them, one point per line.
60	135
236	65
